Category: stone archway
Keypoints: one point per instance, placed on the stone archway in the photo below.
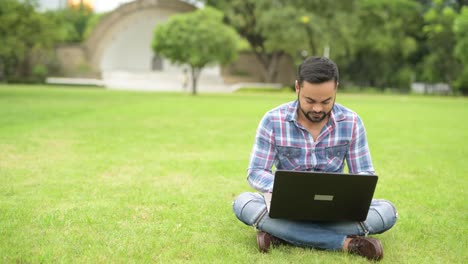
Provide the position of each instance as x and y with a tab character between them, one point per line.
119	48
122	39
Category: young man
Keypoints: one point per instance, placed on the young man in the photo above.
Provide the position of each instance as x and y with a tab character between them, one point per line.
312	133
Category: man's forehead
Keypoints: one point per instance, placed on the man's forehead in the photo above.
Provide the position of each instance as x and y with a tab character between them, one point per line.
317	94
318	98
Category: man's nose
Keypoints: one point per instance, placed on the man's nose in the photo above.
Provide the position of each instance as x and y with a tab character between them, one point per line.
317	108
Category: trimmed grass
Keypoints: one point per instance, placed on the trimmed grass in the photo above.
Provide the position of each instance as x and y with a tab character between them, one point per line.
91	175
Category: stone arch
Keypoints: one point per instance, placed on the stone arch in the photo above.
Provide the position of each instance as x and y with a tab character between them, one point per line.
121	41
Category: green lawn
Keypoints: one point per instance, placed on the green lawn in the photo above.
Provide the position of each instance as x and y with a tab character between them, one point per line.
90	175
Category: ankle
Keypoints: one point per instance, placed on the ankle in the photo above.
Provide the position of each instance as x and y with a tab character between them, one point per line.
346	243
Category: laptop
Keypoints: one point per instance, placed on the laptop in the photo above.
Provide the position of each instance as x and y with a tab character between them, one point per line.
320	196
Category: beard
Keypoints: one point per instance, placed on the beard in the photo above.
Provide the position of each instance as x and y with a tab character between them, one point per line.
315	117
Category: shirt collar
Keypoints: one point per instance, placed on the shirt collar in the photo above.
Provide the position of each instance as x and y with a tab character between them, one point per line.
337	114
291	115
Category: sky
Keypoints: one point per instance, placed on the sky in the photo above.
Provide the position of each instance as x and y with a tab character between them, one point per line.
99	5
107	5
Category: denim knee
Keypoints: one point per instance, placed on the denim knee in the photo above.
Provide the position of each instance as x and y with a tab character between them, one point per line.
382	216
248	207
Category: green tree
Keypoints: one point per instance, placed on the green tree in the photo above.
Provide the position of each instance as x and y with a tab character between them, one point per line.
304	28
251	20
197	39
297	28
73	22
385	38
461	49
91	24
439	64
281	32
27	39
327	26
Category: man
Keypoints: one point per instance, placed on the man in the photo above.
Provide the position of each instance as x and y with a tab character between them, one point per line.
312	133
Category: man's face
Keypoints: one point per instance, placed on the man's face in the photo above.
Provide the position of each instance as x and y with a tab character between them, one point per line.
316	100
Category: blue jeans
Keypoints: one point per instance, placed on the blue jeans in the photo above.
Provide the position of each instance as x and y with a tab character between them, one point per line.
250	208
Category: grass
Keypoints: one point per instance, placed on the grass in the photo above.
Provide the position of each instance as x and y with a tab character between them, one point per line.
98	176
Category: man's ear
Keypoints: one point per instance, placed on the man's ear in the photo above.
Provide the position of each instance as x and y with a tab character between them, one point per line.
297	87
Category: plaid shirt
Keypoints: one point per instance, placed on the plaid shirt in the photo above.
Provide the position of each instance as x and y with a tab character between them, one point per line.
283	142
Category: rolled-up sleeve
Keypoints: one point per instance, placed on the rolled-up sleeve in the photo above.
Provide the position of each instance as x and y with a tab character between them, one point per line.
259	172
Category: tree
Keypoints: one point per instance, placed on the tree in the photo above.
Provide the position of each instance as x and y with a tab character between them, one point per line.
439	64
296	28
327	26
91	24
283	34
268	26
27	39
197	39
73	21
302	28
460	28
244	16
385	37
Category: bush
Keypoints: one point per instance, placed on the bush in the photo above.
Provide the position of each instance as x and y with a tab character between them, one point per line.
27	39
40	72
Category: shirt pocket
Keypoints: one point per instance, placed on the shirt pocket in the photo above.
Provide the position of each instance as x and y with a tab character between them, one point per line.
289	157
335	156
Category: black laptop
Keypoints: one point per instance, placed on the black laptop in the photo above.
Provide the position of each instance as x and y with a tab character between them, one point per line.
321	196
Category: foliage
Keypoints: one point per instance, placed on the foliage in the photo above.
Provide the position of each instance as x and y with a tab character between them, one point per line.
439	65
27	39
381	43
460	28
327	25
73	22
93	21
266	25
197	39
297	28
384	41
303	28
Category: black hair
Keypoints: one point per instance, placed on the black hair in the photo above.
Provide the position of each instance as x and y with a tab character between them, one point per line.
317	70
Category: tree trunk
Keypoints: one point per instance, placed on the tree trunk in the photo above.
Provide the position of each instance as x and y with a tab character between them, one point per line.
2	69
270	64
195	74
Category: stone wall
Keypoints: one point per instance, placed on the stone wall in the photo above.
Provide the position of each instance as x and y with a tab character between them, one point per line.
247	68
431	88
73	61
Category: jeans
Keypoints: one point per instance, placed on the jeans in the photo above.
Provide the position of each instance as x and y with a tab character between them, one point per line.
250	208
